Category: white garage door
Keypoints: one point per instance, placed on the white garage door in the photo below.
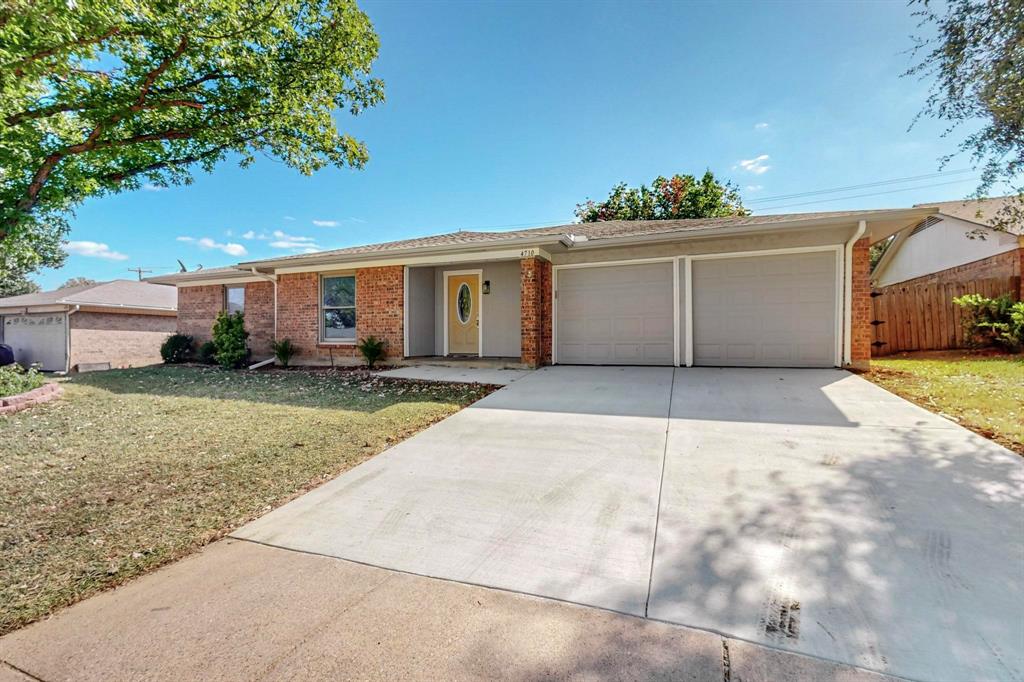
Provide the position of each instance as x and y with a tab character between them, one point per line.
765	311
38	339
615	315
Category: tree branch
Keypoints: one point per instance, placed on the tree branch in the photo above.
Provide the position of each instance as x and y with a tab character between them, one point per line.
19	66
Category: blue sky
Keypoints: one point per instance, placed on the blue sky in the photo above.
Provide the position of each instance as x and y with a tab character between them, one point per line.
509	114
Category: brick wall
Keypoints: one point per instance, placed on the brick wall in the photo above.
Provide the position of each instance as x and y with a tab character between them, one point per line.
121	339
861	332
379	311
1008	264
197	310
259	317
535	311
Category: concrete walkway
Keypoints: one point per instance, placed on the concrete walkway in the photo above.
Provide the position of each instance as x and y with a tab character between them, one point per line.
242	611
458	375
804	509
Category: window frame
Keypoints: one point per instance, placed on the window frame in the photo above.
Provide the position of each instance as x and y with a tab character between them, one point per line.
321	308
227	302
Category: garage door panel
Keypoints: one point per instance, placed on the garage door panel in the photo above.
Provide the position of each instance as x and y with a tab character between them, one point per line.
765	310
616	315
38	339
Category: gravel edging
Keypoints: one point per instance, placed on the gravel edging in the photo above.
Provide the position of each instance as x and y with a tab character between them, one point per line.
37	396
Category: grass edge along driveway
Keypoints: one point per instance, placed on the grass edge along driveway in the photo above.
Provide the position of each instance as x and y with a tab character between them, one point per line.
981	392
133	469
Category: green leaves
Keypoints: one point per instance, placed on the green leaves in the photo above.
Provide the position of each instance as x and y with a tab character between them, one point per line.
101	96
681	196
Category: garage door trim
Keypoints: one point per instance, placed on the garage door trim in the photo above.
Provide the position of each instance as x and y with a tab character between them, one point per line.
614	263
686	357
837	249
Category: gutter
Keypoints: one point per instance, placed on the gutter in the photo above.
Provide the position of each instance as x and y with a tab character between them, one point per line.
862	227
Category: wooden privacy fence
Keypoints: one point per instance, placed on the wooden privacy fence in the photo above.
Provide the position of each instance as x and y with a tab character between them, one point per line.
924	317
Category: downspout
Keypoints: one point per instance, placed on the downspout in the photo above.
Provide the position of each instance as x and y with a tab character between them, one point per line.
862	227
273	279
67	337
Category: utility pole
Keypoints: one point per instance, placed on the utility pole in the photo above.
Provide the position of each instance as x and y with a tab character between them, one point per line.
138	271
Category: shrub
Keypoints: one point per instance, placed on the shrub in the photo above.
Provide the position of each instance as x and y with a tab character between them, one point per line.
372	350
229	336
176	348
15	379
284	351
207	353
992	321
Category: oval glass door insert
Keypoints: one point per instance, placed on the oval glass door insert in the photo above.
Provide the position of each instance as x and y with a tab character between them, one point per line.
464	303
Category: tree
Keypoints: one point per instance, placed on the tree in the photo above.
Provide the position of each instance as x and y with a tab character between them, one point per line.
100	96
16	283
681	196
976	62
77	282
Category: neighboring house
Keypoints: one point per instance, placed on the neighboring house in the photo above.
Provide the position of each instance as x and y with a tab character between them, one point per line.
783	290
953	245
110	324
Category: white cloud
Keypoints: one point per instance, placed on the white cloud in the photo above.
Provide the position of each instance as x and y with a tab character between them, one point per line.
289	217
283	240
756	165
325	223
761	126
755	188
208	244
150	187
249	235
94	250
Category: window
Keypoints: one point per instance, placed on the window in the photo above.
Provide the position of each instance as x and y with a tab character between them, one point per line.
234	299
464	303
338	308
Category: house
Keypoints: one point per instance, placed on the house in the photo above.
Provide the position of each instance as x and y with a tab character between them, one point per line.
955	244
776	290
109	324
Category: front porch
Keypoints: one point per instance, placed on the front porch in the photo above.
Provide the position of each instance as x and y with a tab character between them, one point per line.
488	314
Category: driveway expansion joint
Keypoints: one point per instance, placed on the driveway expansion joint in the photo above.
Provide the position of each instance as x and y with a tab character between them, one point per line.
22	672
661	486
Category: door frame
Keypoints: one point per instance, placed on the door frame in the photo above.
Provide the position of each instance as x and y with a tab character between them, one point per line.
480	311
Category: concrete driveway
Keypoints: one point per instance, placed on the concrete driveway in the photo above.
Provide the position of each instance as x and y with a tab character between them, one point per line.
804	509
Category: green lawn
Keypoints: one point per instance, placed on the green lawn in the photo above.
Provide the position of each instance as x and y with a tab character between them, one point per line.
132	469
982	393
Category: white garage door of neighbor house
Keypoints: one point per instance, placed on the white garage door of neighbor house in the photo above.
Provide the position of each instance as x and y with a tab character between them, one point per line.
765	311
38	339
615	315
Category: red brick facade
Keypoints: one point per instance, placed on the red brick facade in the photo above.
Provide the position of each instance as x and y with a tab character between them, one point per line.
120	339
380	300
860	334
197	310
259	317
535	311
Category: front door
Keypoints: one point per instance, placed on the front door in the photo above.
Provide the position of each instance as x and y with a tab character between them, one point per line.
464	314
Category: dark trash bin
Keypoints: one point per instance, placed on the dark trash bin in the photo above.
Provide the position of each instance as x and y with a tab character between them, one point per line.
6	355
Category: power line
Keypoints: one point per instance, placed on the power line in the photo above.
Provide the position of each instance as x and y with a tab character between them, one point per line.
870	194
878	183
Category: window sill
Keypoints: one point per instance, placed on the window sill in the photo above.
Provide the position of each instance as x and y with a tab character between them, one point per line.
335	344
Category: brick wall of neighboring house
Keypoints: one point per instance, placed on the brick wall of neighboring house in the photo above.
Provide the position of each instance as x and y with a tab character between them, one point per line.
379	312
197	310
259	317
1007	264
535	311
861	333
121	339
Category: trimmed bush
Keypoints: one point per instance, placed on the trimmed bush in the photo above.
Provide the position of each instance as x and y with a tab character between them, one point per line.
284	351
176	348
207	353
229	336
15	379
372	350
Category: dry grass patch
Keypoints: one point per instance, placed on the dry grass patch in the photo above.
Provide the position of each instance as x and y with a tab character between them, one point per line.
135	468
984	393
